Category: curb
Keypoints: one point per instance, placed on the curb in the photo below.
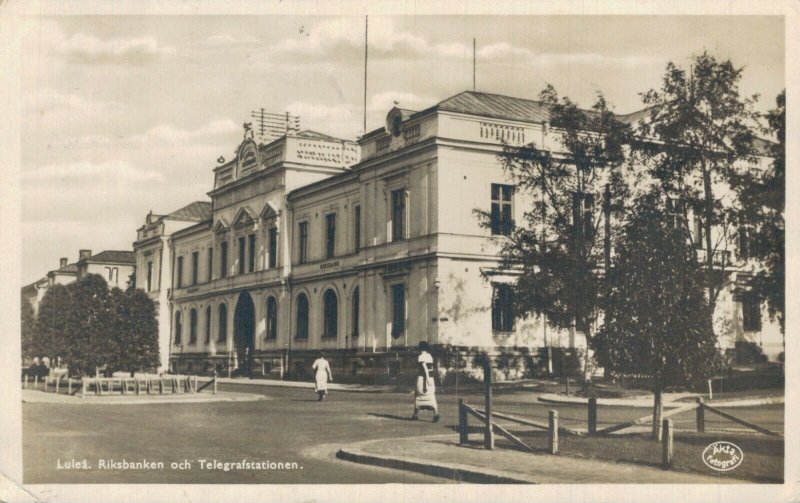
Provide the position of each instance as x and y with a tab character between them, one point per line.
555	399
446	471
301	385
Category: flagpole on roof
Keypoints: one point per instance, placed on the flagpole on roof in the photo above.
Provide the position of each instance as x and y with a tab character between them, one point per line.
473	64
366	55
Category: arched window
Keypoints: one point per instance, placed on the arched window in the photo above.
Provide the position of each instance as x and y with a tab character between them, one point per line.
272	318
330	314
208	324
356	313
178	328
302	317
193	326
223	323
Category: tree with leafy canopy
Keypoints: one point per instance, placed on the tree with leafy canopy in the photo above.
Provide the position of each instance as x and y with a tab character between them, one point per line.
89	325
50	330
658	319
135	333
698	133
762	195
559	250
27	328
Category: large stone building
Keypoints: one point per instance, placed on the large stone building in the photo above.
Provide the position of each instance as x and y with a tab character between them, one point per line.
363	250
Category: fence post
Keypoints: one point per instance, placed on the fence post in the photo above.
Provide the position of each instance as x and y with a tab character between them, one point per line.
138	388
488	434
124	383
195	383
160	385
552	440
97	390
666	444
25	381
592	415
174	385
463	426
700	415
58	380
36	381
83	387
69	386
215	383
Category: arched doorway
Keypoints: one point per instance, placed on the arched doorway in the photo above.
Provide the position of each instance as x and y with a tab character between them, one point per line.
244	326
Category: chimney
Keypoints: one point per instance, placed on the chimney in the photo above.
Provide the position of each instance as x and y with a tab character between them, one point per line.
62	262
84	254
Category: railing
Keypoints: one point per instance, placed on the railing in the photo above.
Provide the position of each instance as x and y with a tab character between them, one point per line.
136	385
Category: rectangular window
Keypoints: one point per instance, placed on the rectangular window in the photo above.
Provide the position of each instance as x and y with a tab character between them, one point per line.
745	234
210	263
303	243
223	259
751	312
251	253
179	273
398	310
502	220
357	225
398	214
273	247
195	266
674	210
330	235
503	315
149	283
583	213
698	232
241	254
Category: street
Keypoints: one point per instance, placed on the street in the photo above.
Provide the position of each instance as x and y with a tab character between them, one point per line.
289	426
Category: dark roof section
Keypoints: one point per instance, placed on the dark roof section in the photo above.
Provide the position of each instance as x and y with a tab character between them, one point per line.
495	105
69	269
198	211
112	257
29	290
316	135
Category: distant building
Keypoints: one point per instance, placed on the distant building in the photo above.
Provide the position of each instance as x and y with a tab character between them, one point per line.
365	249
116	267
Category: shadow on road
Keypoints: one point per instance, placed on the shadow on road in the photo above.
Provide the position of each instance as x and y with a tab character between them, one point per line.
391	416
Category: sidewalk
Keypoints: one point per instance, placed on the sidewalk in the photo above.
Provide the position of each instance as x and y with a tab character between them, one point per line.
39	396
669	399
442	456
354	388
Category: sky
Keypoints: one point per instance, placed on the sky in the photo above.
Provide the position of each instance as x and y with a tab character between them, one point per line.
122	115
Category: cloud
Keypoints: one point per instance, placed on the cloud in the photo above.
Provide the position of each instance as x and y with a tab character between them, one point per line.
72	106
161	134
89	49
221	40
120	171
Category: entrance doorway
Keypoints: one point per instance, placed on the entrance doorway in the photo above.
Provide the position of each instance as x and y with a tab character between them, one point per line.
244	326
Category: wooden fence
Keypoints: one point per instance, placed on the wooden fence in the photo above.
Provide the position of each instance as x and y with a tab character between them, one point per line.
146	384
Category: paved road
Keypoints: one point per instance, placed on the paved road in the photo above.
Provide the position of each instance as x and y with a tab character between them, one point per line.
289	426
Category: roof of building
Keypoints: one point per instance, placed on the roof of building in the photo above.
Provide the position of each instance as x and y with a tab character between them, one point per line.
29	290
112	257
194	212
67	269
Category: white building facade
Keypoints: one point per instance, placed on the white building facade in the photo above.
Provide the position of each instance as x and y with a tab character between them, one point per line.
362	250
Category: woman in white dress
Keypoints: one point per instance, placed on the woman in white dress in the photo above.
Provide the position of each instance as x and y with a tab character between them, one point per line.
322	374
425	392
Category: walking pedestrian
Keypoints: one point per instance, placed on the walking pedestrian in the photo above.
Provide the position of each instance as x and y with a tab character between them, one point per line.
425	391
322	374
